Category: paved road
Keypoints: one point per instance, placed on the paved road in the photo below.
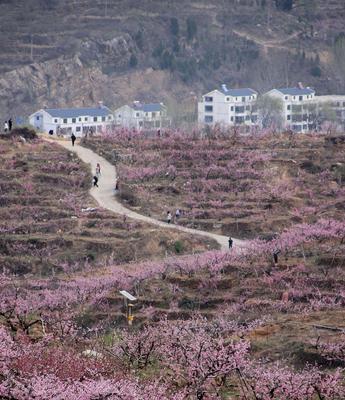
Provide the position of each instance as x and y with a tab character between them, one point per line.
104	194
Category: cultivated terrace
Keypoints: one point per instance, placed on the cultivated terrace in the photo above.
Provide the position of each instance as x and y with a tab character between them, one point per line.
213	325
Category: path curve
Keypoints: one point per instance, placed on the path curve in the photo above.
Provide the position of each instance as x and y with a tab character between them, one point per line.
104	194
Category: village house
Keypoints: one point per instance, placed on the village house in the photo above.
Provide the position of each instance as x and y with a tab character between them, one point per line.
229	106
299	107
65	121
142	116
332	108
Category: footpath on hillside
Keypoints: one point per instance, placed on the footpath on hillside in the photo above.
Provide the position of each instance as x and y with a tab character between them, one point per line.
104	195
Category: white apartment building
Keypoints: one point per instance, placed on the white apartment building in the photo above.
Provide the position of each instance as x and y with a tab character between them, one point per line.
229	106
299	107
335	104
65	121
142	116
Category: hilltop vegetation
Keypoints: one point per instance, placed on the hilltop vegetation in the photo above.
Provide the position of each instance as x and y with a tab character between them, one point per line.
153	50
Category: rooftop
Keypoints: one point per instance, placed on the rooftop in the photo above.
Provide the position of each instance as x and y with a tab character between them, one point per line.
237	92
296	91
150	107
100	111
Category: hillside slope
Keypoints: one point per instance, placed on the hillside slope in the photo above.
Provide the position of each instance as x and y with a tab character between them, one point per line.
58	53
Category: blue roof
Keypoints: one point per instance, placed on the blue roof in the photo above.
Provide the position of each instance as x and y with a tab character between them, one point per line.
151	107
239	92
295	91
78	112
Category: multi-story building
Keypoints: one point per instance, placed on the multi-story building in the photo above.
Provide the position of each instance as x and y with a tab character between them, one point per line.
299	107
142	116
65	121
229	107
331	108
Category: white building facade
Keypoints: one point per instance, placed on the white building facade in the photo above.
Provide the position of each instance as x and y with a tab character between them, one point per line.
65	121
233	107
333	108
298	107
142	116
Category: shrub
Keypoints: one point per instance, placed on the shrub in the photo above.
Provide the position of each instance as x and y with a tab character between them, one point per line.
315	71
26	133
178	247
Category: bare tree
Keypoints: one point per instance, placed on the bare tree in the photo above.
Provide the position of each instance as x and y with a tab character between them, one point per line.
270	112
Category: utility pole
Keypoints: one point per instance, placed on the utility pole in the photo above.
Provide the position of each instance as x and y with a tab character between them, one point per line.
31	48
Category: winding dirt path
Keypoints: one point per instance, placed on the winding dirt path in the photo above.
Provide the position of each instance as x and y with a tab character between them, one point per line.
104	194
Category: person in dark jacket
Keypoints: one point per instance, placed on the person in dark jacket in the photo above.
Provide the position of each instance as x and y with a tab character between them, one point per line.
73	138
95	181
230	243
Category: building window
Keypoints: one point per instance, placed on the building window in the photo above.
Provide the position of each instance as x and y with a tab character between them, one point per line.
74	120
85	119
228	99
288	107
247	117
208	118
305	127
79	119
294	97
300	98
208	108
55	121
243	99
94	119
208	99
137	115
247	108
65	120
109	117
77	129
232	118
343	103
119	116
103	119
38	117
236	98
232	108
288	117
286	97
153	115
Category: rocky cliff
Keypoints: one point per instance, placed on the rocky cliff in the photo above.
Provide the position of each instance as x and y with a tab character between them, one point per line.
63	53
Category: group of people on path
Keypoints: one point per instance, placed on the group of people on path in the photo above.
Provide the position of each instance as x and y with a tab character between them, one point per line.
177	216
8	125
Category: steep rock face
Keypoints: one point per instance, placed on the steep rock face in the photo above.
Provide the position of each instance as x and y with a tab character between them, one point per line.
74	52
114	53
64	81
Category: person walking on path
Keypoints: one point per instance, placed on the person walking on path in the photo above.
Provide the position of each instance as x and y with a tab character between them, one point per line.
10	124
5	126
95	181
169	217
177	214
73	138
98	170
275	256
230	243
